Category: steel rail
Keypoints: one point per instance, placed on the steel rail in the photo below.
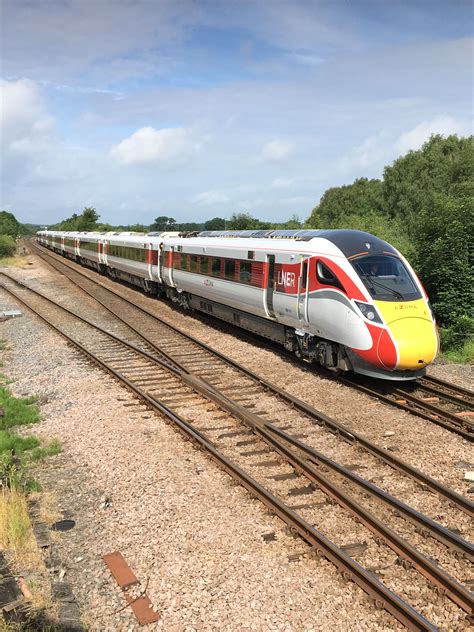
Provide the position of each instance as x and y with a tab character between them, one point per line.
405	551
449	385
320	418
435	409
384	597
469	436
459	400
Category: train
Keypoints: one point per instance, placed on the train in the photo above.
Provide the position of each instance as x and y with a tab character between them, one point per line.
343	299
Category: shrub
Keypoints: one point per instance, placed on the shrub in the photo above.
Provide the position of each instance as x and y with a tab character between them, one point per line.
7	246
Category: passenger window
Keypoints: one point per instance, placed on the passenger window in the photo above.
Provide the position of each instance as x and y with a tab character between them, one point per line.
229	269
184	262
193	263
325	276
216	267
245	274
204	265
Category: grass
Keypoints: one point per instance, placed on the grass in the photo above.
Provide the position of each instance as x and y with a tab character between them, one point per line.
18	452
15	526
18	411
17	261
461	355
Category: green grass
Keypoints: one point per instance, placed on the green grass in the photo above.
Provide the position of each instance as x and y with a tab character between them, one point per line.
18	452
462	355
18	411
16	262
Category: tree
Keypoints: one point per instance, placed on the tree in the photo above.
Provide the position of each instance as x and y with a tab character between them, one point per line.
163	223
9	225
294	223
411	182
88	219
7	246
361	197
217	223
245	221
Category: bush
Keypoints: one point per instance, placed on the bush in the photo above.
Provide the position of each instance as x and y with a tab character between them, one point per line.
7	246
458	334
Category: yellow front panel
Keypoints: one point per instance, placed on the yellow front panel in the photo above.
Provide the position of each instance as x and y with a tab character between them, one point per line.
413	331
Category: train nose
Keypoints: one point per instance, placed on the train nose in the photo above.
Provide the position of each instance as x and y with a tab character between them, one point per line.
416	342
413	332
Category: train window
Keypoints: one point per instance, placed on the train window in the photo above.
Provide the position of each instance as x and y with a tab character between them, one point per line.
204	265
325	276
184	262
245	274
193	263
386	277
229	269
216	266
251	254
304	275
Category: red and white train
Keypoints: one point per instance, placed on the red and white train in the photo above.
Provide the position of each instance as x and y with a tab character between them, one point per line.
343	298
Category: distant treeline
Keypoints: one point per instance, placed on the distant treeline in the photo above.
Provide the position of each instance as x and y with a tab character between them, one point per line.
89	220
423	205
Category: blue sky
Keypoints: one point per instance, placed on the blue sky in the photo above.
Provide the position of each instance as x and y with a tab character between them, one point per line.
197	109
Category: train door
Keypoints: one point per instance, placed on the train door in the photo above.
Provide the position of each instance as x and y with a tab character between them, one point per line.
161	257
99	251
168	262
76	247
303	291
149	259
270	286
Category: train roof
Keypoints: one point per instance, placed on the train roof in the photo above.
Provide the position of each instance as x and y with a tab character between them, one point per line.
349	242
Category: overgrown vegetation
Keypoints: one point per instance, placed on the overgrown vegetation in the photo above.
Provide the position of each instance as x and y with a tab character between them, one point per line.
7	246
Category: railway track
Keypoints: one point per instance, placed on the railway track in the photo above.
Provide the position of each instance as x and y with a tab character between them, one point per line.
302	458
442	403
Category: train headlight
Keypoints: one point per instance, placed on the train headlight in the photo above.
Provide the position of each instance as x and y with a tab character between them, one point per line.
369	312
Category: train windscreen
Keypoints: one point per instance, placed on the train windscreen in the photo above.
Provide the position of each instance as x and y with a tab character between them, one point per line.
386	278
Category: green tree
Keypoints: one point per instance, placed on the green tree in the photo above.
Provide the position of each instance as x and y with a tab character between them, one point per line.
163	223
88	219
245	221
7	246
9	225
438	167
217	223
359	198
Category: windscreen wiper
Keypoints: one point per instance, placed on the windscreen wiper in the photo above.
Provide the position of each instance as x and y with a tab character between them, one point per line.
374	282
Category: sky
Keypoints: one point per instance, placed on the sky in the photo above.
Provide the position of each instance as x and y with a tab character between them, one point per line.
200	108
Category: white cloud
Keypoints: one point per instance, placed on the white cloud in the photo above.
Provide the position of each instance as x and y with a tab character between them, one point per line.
148	145
276	150
210	198
444	125
282	183
25	126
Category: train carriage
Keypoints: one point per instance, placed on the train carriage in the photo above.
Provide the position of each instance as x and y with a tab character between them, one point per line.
343	298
